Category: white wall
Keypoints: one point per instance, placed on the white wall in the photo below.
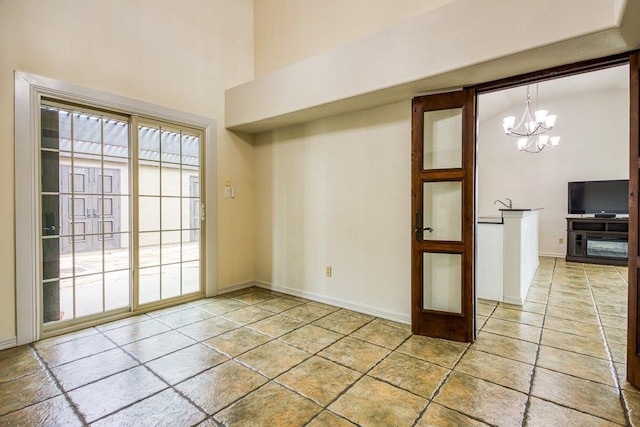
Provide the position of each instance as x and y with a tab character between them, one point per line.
174	53
458	44
288	31
594	145
338	192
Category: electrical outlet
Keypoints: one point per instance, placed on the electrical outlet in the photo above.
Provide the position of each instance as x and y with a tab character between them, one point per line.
560	240
327	271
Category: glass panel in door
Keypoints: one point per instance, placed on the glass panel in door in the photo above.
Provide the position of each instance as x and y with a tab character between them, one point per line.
442	138
168	213
84	207
442	210
439	269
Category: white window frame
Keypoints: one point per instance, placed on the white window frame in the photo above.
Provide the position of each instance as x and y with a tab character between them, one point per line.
29	90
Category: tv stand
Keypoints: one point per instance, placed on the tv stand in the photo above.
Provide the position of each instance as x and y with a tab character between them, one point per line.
605	215
598	240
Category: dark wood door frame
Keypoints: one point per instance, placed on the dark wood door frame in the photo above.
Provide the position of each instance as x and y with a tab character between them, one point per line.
633	60
554	73
633	328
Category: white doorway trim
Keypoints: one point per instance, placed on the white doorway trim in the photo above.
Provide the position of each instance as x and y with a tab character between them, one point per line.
29	90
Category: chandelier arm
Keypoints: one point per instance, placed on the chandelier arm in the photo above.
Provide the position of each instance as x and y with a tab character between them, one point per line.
534	145
525	113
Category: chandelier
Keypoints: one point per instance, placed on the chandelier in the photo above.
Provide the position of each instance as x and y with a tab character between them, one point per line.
532	128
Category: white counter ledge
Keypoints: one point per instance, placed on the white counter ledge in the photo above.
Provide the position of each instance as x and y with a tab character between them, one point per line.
507	255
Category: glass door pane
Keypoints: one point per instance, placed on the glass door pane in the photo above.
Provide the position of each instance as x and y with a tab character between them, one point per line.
84	207
442	210
442	138
168	212
442	282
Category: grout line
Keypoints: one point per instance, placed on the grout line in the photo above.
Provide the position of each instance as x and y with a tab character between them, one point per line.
573	376
273	380
75	409
612	366
527	405
169	385
441	385
316	354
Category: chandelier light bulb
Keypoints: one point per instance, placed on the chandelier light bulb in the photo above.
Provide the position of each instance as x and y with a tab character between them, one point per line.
555	140
542	141
540	115
507	123
550	121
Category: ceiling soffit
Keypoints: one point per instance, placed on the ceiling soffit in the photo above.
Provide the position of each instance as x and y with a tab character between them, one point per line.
415	58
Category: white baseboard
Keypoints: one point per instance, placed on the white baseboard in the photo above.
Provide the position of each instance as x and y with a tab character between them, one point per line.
8	342
236	287
372	311
552	254
513	300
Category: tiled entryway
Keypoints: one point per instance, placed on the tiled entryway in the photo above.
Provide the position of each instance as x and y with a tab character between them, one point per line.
256	357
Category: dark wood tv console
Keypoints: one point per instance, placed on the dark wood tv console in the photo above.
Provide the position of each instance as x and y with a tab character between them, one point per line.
598	240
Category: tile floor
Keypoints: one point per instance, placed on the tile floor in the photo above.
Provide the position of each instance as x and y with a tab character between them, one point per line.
256	357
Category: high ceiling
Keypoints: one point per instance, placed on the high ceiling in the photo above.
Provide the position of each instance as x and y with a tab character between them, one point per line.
493	103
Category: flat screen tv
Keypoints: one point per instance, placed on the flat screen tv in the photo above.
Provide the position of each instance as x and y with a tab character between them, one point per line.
599	197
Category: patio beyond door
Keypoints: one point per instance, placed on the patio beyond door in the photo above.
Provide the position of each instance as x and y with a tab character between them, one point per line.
91	209
120	212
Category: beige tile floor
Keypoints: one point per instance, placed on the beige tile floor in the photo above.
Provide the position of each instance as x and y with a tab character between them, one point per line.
256	357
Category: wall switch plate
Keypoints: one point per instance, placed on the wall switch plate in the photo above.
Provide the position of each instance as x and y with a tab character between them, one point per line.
327	271
560	240
227	192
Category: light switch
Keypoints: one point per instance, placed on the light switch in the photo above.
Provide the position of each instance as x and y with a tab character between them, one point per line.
227	192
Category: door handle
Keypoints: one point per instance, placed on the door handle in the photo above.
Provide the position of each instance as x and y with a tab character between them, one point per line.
95	213
50	221
420	228
88	213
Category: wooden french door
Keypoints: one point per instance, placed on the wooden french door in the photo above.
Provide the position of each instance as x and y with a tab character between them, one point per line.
633	337
443	189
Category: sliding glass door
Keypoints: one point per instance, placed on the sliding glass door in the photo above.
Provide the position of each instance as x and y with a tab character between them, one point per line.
120	212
